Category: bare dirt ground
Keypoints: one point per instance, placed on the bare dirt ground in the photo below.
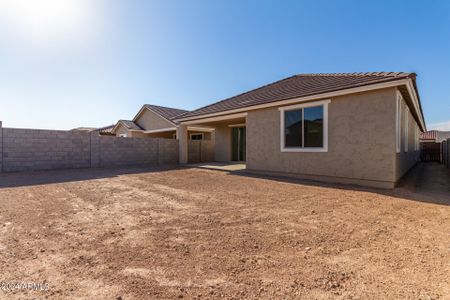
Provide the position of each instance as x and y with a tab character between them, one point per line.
202	234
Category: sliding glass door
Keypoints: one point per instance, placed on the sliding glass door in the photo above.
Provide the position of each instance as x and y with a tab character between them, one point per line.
238	143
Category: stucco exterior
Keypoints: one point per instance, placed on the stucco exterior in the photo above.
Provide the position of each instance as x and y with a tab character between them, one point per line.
361	142
149	120
404	160
222	149
121	129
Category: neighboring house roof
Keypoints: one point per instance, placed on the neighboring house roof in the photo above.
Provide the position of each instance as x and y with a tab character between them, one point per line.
84	129
429	135
296	86
107	130
168	113
434	136
442	136
130	124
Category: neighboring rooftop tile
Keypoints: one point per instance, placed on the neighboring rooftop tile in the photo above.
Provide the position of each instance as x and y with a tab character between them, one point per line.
130	124
167	112
107	130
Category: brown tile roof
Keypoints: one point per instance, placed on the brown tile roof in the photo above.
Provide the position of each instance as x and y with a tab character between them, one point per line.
166	112
107	130
130	124
88	129
299	86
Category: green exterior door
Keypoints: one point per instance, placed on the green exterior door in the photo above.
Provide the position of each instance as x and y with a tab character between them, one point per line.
238	143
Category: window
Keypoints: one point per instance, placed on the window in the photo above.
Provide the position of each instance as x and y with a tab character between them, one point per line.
399	122
196	136
406	129
304	127
122	135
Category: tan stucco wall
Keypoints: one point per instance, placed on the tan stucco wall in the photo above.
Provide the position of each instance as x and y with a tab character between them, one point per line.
122	130
150	121
137	134
361	140
405	160
164	135
222	140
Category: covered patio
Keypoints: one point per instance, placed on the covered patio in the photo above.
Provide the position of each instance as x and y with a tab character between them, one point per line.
229	137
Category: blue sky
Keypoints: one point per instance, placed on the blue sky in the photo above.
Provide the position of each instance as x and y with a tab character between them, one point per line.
69	63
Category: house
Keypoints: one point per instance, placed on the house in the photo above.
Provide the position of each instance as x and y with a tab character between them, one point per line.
83	129
154	121
357	128
433	146
106	130
434	136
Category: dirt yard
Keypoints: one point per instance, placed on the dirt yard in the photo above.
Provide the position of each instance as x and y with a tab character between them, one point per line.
203	234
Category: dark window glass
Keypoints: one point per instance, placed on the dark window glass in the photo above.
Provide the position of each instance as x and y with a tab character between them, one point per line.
313	126
293	128
197	137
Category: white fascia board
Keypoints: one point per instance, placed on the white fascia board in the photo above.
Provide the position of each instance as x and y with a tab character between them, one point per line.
415	98
201	129
216	119
161	130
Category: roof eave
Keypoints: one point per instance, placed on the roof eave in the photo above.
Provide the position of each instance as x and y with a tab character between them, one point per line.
146	107
391	83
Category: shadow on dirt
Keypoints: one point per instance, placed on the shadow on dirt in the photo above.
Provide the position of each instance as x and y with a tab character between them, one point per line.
19	179
425	182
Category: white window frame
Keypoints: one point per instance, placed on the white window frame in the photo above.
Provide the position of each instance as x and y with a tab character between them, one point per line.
398	123
201	133
123	135
283	109
406	128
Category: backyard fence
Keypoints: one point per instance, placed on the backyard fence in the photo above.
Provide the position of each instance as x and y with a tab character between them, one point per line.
33	149
430	152
447	153
200	151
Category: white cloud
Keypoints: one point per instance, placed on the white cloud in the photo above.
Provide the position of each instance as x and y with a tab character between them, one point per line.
443	126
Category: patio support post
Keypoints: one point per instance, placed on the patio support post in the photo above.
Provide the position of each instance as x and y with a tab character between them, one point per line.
182	136
1	147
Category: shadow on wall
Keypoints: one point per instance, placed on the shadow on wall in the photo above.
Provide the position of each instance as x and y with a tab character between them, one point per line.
19	179
425	182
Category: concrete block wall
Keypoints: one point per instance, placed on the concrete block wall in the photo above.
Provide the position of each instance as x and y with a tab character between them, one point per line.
95	150
127	151
168	151
31	149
